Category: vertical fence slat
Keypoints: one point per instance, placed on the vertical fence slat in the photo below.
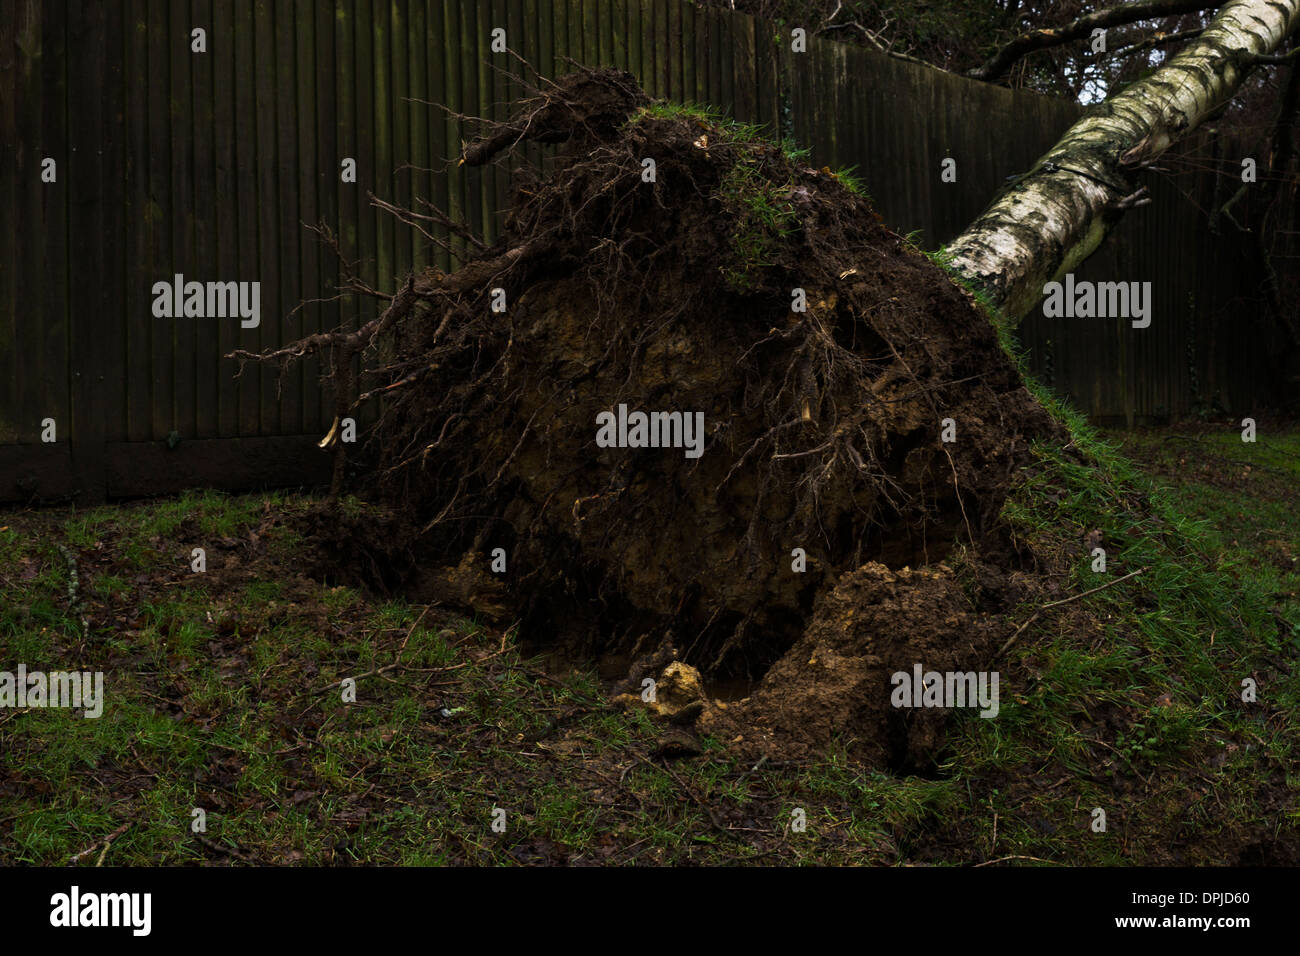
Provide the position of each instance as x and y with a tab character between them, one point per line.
318	411
367	154
452	84
353	137
418	92
269	332
400	118
687	46
660	41
486	104
546	27
470	105
222	50
676	55
90	36
440	159
10	145
140	276
385	233
345	129
494	101
52	318
309	288
250	198
205	262
632	16
591	32
29	207
109	382
181	125
282	391
647	43
159	218
523	39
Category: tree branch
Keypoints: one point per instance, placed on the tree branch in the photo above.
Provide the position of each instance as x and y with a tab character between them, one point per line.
1251	59
1129	46
1000	62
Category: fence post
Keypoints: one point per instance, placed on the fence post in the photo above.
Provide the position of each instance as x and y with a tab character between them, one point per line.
93	65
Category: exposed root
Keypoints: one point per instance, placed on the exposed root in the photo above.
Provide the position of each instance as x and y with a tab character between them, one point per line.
821	349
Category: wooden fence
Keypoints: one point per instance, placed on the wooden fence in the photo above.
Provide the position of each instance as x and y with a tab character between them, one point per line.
208	164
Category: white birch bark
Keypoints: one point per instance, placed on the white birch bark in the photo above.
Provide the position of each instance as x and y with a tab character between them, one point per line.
1057	214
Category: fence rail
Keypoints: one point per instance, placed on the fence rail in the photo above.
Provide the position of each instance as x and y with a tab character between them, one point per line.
208	164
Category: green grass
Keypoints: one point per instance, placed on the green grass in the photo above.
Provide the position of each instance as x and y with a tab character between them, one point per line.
756	199
1171	647
712	118
847	176
763	219
222	697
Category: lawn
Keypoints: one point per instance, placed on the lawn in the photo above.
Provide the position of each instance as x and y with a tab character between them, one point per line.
259	712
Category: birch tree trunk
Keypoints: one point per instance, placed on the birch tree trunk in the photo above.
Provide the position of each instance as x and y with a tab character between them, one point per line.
1057	214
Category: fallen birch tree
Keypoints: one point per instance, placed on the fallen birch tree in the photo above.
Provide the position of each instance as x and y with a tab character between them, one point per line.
1057	214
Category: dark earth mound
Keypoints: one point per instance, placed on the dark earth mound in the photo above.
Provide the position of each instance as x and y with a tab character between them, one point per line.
681	292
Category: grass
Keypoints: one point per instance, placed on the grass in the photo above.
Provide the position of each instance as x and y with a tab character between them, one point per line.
764	216
710	118
1150	703
1173	645
1133	702
763	219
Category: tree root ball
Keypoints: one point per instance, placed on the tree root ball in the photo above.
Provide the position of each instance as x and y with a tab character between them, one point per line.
827	358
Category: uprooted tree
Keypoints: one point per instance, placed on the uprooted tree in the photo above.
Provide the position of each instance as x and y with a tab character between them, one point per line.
1058	213
836	369
1079	50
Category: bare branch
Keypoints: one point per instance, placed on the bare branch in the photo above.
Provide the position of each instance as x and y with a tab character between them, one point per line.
456	227
1282	59
1129	46
1000	62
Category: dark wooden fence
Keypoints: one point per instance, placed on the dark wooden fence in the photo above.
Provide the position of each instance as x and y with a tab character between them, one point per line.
209	164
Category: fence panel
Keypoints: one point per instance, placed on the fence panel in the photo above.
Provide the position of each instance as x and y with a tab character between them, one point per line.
209	165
